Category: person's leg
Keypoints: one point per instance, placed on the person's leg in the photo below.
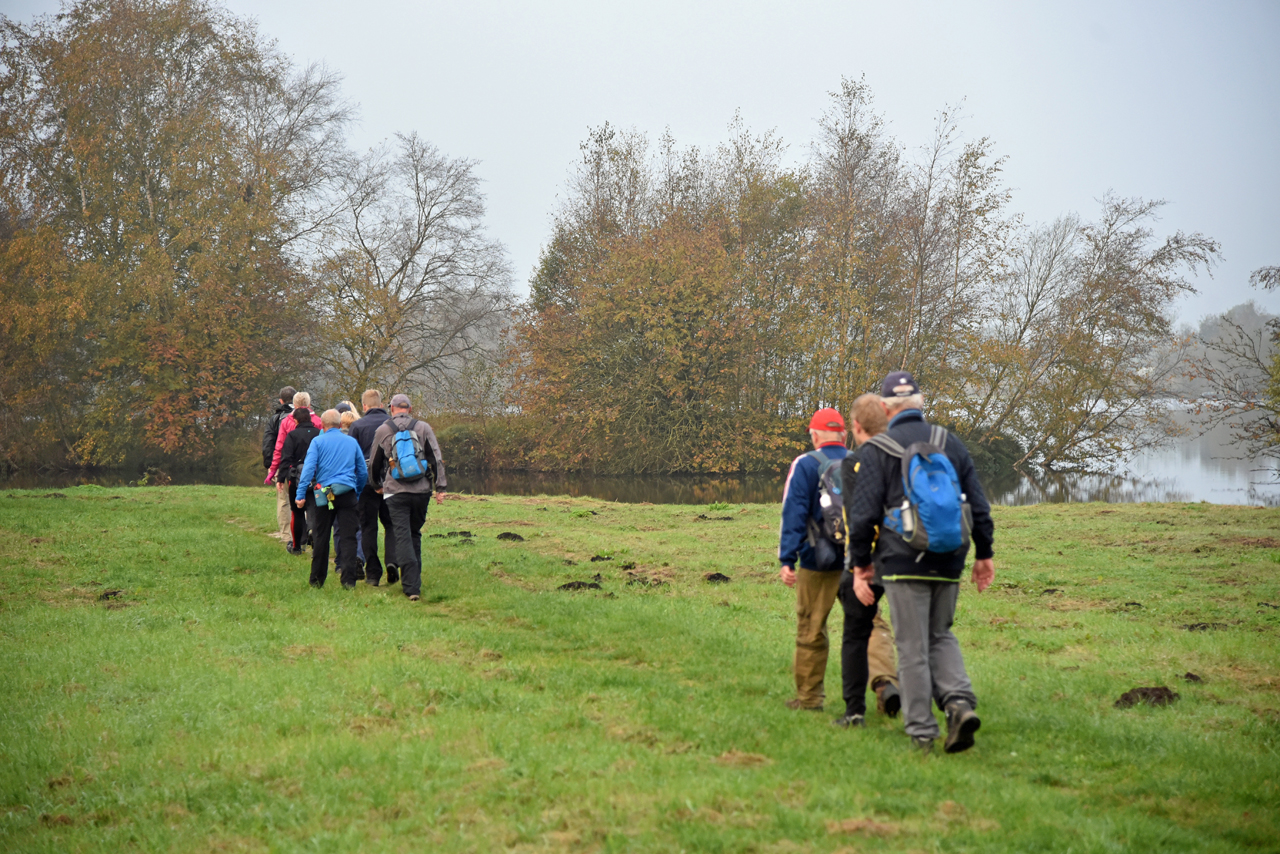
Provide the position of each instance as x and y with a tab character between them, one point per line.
309	537
411	568
858	623
946	664
320	543
815	594
909	603
880	658
399	506
367	509
284	511
297	517
345	526
389	548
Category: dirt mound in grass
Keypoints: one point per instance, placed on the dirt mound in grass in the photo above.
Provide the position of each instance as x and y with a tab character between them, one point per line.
1157	696
580	585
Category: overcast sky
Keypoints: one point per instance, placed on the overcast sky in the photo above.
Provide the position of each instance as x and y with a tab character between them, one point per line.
1171	100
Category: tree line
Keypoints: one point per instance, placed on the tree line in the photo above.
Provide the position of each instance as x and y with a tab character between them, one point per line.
184	228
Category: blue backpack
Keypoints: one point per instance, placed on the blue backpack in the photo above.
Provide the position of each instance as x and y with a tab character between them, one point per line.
935	515
407	459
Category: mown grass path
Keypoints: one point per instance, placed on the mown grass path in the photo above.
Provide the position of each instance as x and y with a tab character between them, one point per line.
216	703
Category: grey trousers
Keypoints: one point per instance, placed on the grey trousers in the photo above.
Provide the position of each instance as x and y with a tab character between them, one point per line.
930	667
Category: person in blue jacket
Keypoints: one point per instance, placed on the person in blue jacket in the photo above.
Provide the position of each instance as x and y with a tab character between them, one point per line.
816	586
335	467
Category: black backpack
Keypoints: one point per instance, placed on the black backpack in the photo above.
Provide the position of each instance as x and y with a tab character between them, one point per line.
828	536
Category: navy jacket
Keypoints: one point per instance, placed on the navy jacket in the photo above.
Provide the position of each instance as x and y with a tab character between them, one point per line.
364	428
799	505
880	485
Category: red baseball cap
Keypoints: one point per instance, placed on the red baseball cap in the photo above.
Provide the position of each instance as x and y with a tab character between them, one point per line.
826	419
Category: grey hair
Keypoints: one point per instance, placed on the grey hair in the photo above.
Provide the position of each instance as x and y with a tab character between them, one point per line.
331	418
302	399
897	404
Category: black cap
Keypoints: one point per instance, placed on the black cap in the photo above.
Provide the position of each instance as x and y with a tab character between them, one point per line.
899	384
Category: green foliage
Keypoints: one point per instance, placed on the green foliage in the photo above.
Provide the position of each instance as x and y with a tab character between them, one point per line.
172	684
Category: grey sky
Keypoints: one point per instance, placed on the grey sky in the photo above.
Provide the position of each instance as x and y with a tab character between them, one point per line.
1179	101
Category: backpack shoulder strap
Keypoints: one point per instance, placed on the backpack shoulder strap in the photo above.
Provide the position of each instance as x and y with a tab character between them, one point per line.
889	446
938	436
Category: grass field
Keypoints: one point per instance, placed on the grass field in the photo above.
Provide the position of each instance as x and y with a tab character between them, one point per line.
216	703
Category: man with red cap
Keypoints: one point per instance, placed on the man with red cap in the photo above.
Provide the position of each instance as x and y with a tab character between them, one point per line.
813	572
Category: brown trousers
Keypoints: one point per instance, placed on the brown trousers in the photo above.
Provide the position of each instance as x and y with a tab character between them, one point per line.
815	596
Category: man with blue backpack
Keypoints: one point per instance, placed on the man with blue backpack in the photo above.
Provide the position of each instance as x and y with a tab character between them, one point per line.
918	502
405	469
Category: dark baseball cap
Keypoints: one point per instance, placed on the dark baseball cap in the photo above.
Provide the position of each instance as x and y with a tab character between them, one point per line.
899	384
399	400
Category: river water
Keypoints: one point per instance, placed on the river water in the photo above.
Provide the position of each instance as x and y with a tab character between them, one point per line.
1205	468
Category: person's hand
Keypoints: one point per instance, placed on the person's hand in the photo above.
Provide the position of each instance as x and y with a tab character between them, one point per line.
279	489
862	576
379	491
788	576
440	497
984	572
301	502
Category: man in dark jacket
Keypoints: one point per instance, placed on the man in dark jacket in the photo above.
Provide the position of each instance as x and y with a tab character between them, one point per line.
283	407
292	456
407	500
921	586
371	508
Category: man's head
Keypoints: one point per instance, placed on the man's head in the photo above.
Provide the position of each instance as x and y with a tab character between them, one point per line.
400	403
330	419
287	393
301	399
868	418
898	392
825	427
371	399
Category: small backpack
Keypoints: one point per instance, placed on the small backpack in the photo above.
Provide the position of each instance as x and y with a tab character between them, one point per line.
407	459
828	536
935	515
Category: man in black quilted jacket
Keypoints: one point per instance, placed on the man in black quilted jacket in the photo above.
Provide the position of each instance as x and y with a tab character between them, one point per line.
921	586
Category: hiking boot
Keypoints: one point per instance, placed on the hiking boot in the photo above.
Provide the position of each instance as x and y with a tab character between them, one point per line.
393	574
289	547
796	705
850	721
962	723
888	700
414	597
372	582
922	743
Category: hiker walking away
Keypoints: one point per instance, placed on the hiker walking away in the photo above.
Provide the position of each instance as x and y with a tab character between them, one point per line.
916	482
287	425
371	508
284	405
811	565
866	648
334	471
347	411
407	466
293	454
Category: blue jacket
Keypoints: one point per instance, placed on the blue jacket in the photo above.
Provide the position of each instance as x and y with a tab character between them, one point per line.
799	505
334	457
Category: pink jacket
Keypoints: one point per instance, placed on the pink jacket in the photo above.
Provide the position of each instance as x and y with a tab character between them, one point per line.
286	427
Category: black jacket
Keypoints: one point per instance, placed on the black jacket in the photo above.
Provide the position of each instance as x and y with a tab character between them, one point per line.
879	485
294	451
271	431
364	428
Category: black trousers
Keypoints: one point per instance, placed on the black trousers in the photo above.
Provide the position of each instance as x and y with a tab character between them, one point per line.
342	519
858	623
408	513
303	519
372	509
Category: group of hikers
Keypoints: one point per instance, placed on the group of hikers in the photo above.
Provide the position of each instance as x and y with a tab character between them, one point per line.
893	518
340	475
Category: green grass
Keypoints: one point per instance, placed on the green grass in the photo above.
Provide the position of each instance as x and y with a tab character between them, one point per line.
218	704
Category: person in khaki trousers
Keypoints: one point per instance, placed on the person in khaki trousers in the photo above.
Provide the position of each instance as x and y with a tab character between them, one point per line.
817	586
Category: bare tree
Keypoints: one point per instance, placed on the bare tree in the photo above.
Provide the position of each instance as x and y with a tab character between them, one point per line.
412	287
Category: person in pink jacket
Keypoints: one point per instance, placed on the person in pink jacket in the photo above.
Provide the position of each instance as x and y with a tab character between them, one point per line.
301	400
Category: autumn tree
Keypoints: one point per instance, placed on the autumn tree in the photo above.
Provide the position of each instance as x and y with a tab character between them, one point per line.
160	165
